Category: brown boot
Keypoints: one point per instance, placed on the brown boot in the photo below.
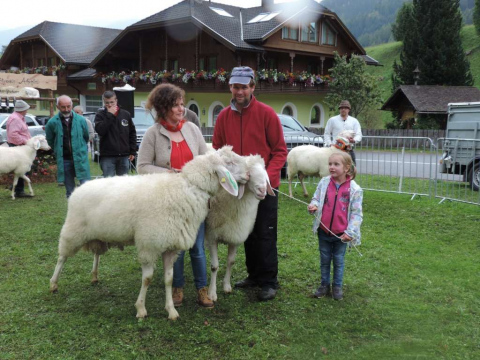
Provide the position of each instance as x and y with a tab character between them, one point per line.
203	299
177	296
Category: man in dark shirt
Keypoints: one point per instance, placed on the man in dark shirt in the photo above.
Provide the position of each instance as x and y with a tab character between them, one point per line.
118	138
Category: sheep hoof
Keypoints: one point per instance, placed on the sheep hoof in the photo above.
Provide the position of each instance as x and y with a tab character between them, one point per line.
173	316
227	289
53	288
94	281
141	314
306	195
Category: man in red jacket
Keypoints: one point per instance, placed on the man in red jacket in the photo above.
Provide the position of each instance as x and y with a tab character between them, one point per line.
252	127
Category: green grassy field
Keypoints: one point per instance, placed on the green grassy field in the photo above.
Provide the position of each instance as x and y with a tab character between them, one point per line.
413	294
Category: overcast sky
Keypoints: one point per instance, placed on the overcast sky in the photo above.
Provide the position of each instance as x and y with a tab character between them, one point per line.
94	13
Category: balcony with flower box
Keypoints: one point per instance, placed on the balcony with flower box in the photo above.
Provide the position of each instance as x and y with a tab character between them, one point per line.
267	81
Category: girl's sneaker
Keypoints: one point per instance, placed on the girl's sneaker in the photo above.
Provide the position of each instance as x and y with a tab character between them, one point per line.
337	293
322	291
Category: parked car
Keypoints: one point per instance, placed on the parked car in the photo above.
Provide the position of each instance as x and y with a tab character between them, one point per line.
33	126
142	120
296	134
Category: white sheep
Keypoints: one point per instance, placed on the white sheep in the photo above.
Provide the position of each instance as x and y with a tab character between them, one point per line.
158	213
230	220
19	159
309	160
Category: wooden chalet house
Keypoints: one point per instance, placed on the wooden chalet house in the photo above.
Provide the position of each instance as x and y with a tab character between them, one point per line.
196	43
52	48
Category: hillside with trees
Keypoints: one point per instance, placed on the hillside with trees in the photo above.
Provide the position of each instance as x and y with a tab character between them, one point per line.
370	20
386	54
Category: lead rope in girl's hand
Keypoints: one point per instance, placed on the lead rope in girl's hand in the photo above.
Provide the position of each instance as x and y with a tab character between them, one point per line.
303	202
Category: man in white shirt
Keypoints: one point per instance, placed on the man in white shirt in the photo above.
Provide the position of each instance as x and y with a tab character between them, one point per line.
341	122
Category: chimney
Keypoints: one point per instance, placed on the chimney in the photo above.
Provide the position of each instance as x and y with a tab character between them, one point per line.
268	4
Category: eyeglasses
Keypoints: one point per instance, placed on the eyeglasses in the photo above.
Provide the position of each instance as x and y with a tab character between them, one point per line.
110	102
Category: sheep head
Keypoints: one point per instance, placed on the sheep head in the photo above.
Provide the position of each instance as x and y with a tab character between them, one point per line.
207	172
237	165
259	182
38	142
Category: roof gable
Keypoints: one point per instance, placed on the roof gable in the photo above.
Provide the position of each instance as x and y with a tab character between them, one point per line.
77	44
432	98
235	32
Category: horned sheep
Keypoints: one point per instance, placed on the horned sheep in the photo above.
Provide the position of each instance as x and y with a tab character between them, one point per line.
19	159
158	213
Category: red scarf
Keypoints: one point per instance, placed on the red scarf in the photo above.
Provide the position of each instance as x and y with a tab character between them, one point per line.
172	128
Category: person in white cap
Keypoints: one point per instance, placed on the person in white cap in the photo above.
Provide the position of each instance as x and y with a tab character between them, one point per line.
341	122
18	134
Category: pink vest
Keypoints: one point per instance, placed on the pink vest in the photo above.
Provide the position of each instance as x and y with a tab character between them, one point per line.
335	208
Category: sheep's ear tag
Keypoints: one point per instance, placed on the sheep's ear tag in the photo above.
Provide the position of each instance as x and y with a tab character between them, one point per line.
37	145
227	181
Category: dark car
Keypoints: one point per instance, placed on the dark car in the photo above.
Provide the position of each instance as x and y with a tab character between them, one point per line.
296	134
142	120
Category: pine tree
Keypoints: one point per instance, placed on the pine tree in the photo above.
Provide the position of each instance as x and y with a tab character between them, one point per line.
403	23
435	46
476	16
352	82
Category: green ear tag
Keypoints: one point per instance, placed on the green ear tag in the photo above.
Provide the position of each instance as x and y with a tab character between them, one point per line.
232	181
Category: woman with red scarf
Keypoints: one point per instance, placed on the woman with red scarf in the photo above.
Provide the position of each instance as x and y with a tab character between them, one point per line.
166	147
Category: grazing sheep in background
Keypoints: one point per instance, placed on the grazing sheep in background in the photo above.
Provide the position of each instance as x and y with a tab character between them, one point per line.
309	160
158	213
19	159
230	220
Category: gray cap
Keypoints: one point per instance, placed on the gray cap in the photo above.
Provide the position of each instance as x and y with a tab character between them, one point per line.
241	75
21	105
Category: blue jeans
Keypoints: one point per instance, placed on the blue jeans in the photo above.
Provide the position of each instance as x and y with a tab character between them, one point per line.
114	165
331	248
69	170
198	260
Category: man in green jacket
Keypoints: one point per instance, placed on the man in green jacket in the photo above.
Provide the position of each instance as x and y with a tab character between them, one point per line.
67	135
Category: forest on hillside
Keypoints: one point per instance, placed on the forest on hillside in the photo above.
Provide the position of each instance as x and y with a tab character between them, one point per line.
370	20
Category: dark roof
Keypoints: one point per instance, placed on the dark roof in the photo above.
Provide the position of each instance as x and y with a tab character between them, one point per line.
431	99
75	44
235	32
87	73
370	61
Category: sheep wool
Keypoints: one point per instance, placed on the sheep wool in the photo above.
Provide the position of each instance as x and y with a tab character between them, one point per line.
19	159
230	221
159	213
309	160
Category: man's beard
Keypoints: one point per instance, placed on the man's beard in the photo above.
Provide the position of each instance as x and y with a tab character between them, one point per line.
66	114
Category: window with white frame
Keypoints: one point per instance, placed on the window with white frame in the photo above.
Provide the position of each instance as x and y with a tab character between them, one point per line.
93	102
220	11
263	17
309	32
329	36
290	33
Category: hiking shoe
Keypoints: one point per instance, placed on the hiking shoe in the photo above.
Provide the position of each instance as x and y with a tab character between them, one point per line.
177	296
246	283
337	293
23	195
267	293
203	299
322	291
